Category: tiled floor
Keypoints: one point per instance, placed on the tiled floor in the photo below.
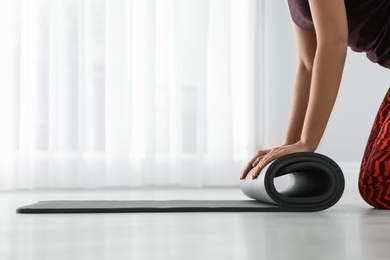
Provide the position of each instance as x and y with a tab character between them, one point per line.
349	230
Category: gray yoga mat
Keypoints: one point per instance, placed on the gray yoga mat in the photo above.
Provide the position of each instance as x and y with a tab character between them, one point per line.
316	183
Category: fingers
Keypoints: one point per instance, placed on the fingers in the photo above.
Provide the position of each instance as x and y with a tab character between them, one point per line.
268	158
262	159
247	169
259	168
244	173
256	172
252	163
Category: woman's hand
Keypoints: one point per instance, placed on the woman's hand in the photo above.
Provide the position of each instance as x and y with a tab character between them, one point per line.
252	163
263	157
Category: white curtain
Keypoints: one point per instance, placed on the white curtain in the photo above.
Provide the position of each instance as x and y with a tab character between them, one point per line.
111	93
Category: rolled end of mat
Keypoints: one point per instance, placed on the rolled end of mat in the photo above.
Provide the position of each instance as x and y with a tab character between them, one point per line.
316	182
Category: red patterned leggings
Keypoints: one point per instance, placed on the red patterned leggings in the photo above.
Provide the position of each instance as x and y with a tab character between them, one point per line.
374	178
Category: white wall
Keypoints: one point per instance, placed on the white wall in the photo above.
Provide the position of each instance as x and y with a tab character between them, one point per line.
363	87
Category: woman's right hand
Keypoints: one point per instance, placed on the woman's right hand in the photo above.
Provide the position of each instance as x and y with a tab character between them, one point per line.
253	162
264	157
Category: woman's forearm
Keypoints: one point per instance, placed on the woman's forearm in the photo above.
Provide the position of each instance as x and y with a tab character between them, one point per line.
299	105
315	93
326	77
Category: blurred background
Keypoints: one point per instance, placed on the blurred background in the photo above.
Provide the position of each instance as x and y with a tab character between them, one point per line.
135	93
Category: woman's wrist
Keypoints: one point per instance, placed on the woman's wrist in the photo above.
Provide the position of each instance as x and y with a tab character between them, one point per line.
291	140
306	145
310	146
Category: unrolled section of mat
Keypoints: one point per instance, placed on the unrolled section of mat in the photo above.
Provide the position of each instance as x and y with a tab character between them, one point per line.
317	183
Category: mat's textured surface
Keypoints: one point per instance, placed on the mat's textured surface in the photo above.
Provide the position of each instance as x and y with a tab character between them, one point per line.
317	184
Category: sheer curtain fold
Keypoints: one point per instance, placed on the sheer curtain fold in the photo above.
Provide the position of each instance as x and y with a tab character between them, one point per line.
101	93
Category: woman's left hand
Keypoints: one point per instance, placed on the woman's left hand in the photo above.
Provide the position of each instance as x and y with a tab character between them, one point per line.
276	153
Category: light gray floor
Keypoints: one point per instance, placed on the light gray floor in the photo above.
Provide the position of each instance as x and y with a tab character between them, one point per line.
349	230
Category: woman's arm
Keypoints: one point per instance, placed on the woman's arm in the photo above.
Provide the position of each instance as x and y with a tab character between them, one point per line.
306	47
330	23
331	35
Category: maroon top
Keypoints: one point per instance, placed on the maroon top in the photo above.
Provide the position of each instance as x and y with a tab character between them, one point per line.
368	26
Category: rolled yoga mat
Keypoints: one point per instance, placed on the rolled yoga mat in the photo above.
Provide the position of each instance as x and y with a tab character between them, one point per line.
316	183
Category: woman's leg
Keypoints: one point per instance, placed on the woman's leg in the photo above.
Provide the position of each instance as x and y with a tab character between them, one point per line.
374	178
